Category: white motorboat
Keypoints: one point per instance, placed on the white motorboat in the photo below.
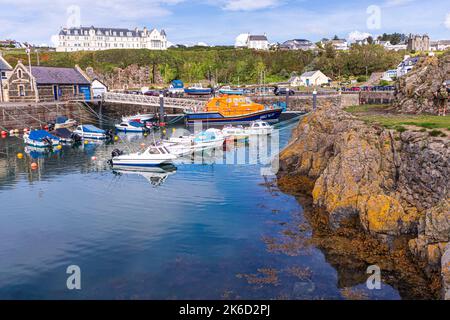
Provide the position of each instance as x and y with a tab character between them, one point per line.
155	155
236	133
205	140
259	128
88	131
132	126
138	118
64	122
41	139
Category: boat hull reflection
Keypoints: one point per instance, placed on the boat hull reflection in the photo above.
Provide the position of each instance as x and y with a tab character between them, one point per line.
155	175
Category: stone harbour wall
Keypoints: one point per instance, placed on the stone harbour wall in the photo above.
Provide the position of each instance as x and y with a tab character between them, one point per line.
20	116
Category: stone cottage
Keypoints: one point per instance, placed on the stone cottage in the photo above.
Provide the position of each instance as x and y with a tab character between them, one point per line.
5	73
46	84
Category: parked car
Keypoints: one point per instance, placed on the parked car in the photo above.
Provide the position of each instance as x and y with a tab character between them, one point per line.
281	91
153	93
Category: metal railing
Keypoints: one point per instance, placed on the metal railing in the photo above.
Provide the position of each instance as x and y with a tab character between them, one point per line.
184	104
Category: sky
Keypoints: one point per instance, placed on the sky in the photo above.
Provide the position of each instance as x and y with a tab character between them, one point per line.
219	22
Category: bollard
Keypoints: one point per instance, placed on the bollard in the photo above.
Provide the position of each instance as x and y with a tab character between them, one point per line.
314	100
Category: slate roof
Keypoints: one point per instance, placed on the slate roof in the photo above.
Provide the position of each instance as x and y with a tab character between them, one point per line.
257	38
308	74
4	65
106	31
52	75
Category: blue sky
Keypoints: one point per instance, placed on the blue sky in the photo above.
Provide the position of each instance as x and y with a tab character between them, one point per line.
220	21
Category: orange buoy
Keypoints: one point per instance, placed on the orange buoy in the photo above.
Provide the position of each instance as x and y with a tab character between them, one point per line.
94	158
142	145
4	134
116	138
46	127
19	156
34	166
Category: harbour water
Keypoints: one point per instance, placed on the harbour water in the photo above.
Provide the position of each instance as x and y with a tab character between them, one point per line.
203	231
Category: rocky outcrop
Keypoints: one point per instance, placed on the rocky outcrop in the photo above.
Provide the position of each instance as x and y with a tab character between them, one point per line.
392	183
415	91
445	273
131	77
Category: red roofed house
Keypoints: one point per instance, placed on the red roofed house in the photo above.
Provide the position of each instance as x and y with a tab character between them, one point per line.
46	84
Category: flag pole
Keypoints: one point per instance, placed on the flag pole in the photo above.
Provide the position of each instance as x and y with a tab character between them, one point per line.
29	65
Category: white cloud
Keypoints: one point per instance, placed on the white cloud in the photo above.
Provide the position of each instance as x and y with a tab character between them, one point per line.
241	40
357	35
249	5
37	21
397	3
447	21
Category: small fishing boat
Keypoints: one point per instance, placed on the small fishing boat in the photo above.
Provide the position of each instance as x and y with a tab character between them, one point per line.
88	131
132	126
233	109
205	140
198	90
236	133
141	118
64	122
41	139
229	91
155	155
66	136
259	128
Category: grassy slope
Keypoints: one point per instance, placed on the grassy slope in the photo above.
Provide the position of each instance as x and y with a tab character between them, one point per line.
381	115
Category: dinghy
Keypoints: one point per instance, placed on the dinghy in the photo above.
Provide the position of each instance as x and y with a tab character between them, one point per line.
41	139
66	136
88	131
132	126
64	122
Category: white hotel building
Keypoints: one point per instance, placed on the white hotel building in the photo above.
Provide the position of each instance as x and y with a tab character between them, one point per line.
93	39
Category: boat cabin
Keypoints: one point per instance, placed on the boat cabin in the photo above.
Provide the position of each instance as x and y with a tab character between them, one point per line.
233	105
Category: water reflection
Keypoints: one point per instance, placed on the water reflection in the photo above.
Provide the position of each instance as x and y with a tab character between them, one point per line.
202	230
156	176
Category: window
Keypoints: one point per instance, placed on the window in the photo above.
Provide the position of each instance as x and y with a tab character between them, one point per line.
3	75
19	74
75	91
21	91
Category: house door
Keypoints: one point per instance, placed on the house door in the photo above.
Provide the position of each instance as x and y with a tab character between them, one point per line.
86	91
55	92
307	82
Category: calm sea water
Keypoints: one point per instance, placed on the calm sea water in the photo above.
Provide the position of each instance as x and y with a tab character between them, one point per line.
200	232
